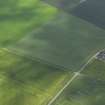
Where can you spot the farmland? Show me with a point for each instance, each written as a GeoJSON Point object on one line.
{"type": "Point", "coordinates": [27, 82]}
{"type": "Point", "coordinates": [86, 89]}
{"type": "Point", "coordinates": [95, 17]}
{"type": "Point", "coordinates": [65, 41]}
{"type": "Point", "coordinates": [44, 44]}
{"type": "Point", "coordinates": [66, 5]}
{"type": "Point", "coordinates": [83, 91]}
{"type": "Point", "coordinates": [96, 70]}
{"type": "Point", "coordinates": [17, 17]}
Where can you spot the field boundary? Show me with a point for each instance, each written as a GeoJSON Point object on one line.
{"type": "Point", "coordinates": [36, 59]}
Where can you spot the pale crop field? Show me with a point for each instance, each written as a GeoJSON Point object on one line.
{"type": "Point", "coordinates": [19, 17]}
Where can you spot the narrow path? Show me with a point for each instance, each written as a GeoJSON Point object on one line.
{"type": "Point", "coordinates": [59, 93]}
{"type": "Point", "coordinates": [76, 74]}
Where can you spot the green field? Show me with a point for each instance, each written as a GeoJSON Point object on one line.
{"type": "Point", "coordinates": [65, 41]}
{"type": "Point", "coordinates": [87, 89]}
{"type": "Point", "coordinates": [27, 82]}
{"type": "Point", "coordinates": [19, 17]}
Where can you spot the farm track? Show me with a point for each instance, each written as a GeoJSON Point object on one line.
{"type": "Point", "coordinates": [76, 74]}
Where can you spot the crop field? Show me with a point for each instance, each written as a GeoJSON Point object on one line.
{"type": "Point", "coordinates": [27, 82]}
{"type": "Point", "coordinates": [20, 17]}
{"type": "Point", "coordinates": [65, 41]}
{"type": "Point", "coordinates": [86, 89]}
